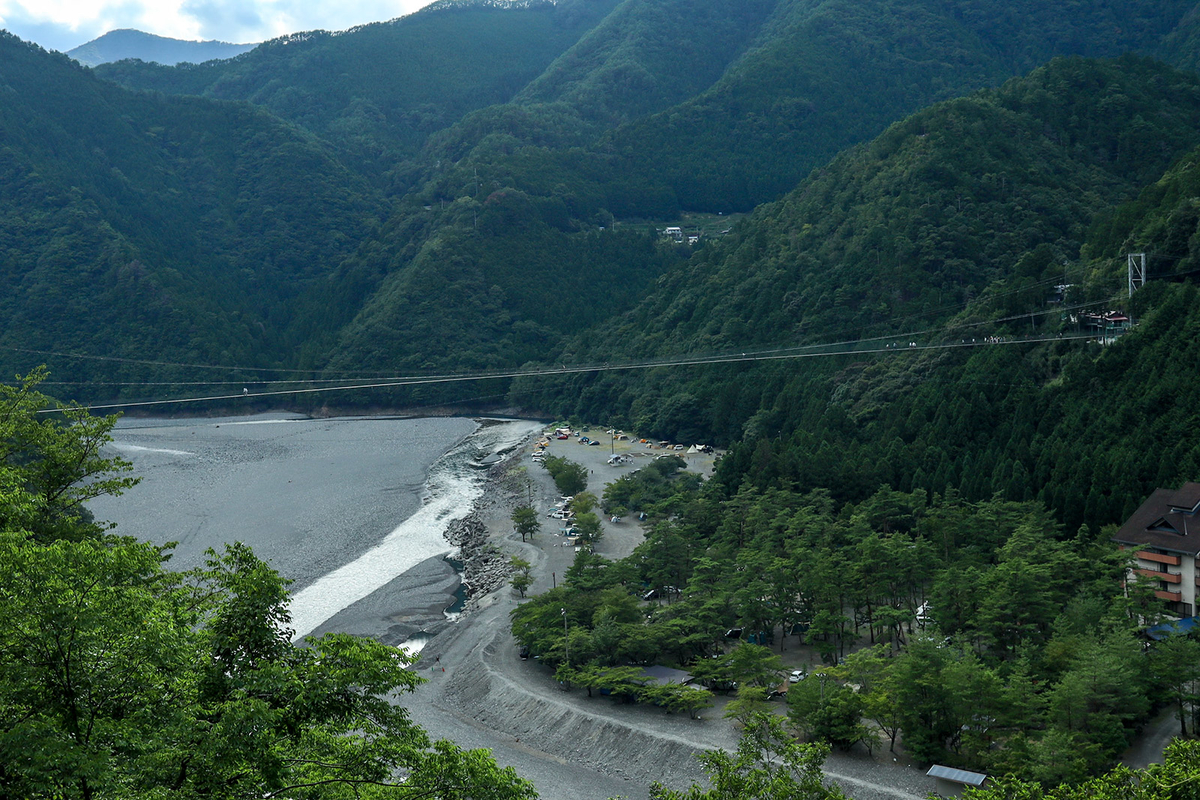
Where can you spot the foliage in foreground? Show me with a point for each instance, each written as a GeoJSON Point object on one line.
{"type": "Point", "coordinates": [768, 765]}
{"type": "Point", "coordinates": [122, 679]}
{"type": "Point", "coordinates": [51, 464]}
{"type": "Point", "coordinates": [1178, 778]}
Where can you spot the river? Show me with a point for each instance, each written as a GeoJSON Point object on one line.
{"type": "Point", "coordinates": [341, 506]}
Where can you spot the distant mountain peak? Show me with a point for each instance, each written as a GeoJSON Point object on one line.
{"type": "Point", "coordinates": [126, 43]}
{"type": "Point", "coordinates": [442, 5]}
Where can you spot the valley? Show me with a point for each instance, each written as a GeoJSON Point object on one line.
{"type": "Point", "coordinates": [924, 271]}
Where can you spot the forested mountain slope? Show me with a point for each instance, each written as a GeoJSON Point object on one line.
{"type": "Point", "coordinates": [157, 228]}
{"type": "Point", "coordinates": [902, 233]}
{"type": "Point", "coordinates": [495, 288]}
{"type": "Point", "coordinates": [720, 105]}
{"type": "Point", "coordinates": [966, 214]}
{"type": "Point", "coordinates": [381, 89]}
{"type": "Point", "coordinates": [865, 66]}
{"type": "Point", "coordinates": [182, 229]}
{"type": "Point", "coordinates": [648, 55]}
{"type": "Point", "coordinates": [814, 79]}
{"type": "Point", "coordinates": [504, 236]}
{"type": "Point", "coordinates": [827, 75]}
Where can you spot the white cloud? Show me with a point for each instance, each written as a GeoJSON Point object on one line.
{"type": "Point", "coordinates": [64, 24]}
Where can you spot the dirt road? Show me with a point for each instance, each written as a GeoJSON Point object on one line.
{"type": "Point", "coordinates": [481, 694]}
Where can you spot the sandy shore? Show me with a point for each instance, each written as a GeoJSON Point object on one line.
{"type": "Point", "coordinates": [480, 694]}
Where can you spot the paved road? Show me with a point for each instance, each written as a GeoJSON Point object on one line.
{"type": "Point", "coordinates": [1155, 737]}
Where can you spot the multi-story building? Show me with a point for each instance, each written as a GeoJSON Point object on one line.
{"type": "Point", "coordinates": [1165, 532]}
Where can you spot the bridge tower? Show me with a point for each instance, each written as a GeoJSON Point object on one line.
{"type": "Point", "coordinates": [1137, 271]}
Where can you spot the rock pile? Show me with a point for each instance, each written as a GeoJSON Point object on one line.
{"type": "Point", "coordinates": [485, 569]}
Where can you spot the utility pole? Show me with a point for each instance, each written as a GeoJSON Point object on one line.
{"type": "Point", "coordinates": [566, 638]}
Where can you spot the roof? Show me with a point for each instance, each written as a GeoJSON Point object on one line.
{"type": "Point", "coordinates": [1168, 520]}
{"type": "Point", "coordinates": [1187, 498]}
{"type": "Point", "coordinates": [957, 775]}
{"type": "Point", "coordinates": [1165, 629]}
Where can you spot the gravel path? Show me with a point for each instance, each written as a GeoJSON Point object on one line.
{"type": "Point", "coordinates": [481, 694]}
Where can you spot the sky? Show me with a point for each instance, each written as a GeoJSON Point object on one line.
{"type": "Point", "coordinates": [65, 24]}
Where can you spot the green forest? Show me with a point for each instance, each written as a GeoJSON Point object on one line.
{"type": "Point", "coordinates": [928, 436]}
{"type": "Point", "coordinates": [993, 639]}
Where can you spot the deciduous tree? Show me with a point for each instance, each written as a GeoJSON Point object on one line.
{"type": "Point", "coordinates": [768, 765]}
{"type": "Point", "coordinates": [525, 521]}
{"type": "Point", "coordinates": [119, 679]}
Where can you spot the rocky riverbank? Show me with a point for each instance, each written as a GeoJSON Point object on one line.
{"type": "Point", "coordinates": [484, 567]}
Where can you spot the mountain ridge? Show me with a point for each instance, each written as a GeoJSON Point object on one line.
{"type": "Point", "coordinates": [128, 43]}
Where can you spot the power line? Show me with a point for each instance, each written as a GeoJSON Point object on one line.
{"type": "Point", "coordinates": [965, 304]}
{"type": "Point", "coordinates": [358, 374]}
{"type": "Point", "coordinates": [814, 351]}
{"type": "Point", "coordinates": [779, 352]}
{"type": "Point", "coordinates": [193, 383]}
{"type": "Point", "coordinates": [144, 362]}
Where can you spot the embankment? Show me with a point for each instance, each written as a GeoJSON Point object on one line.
{"type": "Point", "coordinates": [485, 687]}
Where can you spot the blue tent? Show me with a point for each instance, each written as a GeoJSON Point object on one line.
{"type": "Point", "coordinates": [1165, 629]}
